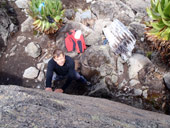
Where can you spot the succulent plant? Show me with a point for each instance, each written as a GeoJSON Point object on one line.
{"type": "Point", "coordinates": [158, 29]}
{"type": "Point", "coordinates": [47, 15]}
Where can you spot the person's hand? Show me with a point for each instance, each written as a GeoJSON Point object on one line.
{"type": "Point", "coordinates": [48, 89]}
{"type": "Point", "coordinates": [59, 90]}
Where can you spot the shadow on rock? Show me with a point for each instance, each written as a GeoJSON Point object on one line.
{"type": "Point", "coordinates": [9, 79]}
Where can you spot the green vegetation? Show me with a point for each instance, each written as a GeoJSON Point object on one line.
{"type": "Point", "coordinates": [158, 30]}
{"type": "Point", "coordinates": [47, 15]}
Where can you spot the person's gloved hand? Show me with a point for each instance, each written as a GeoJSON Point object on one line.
{"type": "Point", "coordinates": [59, 90]}
{"type": "Point", "coordinates": [48, 89]}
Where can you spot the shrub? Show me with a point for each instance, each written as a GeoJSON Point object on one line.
{"type": "Point", "coordinates": [158, 29]}
{"type": "Point", "coordinates": [47, 15]}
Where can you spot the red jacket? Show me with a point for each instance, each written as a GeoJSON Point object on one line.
{"type": "Point", "coordinates": [72, 43]}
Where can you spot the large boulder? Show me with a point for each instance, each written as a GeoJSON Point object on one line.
{"type": "Point", "coordinates": [98, 64]}
{"type": "Point", "coordinates": [23, 107]}
{"type": "Point", "coordinates": [113, 9]}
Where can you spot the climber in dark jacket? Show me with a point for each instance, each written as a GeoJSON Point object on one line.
{"type": "Point", "coordinates": [63, 67]}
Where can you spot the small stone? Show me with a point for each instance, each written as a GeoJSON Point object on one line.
{"type": "Point", "coordinates": [21, 39]}
{"type": "Point", "coordinates": [124, 82]}
{"type": "Point", "coordinates": [6, 56]}
{"type": "Point", "coordinates": [12, 54]}
{"type": "Point", "coordinates": [142, 39]}
{"type": "Point", "coordinates": [38, 87]}
{"type": "Point", "coordinates": [137, 92]}
{"type": "Point", "coordinates": [33, 50]}
{"type": "Point", "coordinates": [40, 66]}
{"type": "Point", "coordinates": [41, 76]}
{"type": "Point", "coordinates": [114, 78]}
{"type": "Point", "coordinates": [88, 1]}
{"type": "Point", "coordinates": [145, 94]}
{"type": "Point", "coordinates": [13, 48]}
{"type": "Point", "coordinates": [30, 73]}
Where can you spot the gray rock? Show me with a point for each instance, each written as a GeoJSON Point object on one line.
{"type": "Point", "coordinates": [145, 94]}
{"type": "Point", "coordinates": [24, 107]}
{"type": "Point", "coordinates": [86, 15]}
{"type": "Point", "coordinates": [41, 76]}
{"type": "Point", "coordinates": [98, 65]}
{"type": "Point", "coordinates": [33, 50]}
{"type": "Point", "coordinates": [21, 39]}
{"type": "Point", "coordinates": [40, 66]}
{"type": "Point", "coordinates": [138, 28]}
{"type": "Point", "coordinates": [114, 78]}
{"type": "Point", "coordinates": [77, 17]}
{"type": "Point", "coordinates": [27, 25]}
{"type": "Point", "coordinates": [69, 13]}
{"type": "Point", "coordinates": [12, 54]}
{"type": "Point", "coordinates": [100, 24]}
{"type": "Point", "coordinates": [30, 73]}
{"type": "Point", "coordinates": [166, 79]}
{"type": "Point", "coordinates": [136, 63]}
{"type": "Point", "coordinates": [78, 26]}
{"type": "Point", "coordinates": [6, 26]}
{"type": "Point", "coordinates": [89, 1]}
{"type": "Point", "coordinates": [134, 82]}
{"type": "Point", "coordinates": [94, 38]}
{"type": "Point", "coordinates": [112, 9]}
{"type": "Point", "coordinates": [22, 3]}
{"type": "Point", "coordinates": [120, 66]}
{"type": "Point", "coordinates": [149, 76]}
{"type": "Point", "coordinates": [13, 48]}
{"type": "Point", "coordinates": [121, 85]}
{"type": "Point", "coordinates": [138, 6]}
{"type": "Point", "coordinates": [137, 92]}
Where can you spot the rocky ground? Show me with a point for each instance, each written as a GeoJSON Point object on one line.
{"type": "Point", "coordinates": [137, 81]}
{"type": "Point", "coordinates": [21, 107]}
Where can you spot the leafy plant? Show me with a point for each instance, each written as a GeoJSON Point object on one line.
{"type": "Point", "coordinates": [47, 15]}
{"type": "Point", "coordinates": [158, 29]}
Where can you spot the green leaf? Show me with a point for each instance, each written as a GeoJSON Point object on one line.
{"type": "Point", "coordinates": [47, 26]}
{"type": "Point", "coordinates": [165, 34]}
{"type": "Point", "coordinates": [57, 18]}
{"type": "Point", "coordinates": [167, 22]}
{"type": "Point", "coordinates": [43, 26]}
{"type": "Point", "coordinates": [167, 10]}
{"type": "Point", "coordinates": [153, 15]}
{"type": "Point", "coordinates": [158, 25]}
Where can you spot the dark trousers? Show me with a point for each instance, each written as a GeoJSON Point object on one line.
{"type": "Point", "coordinates": [70, 77]}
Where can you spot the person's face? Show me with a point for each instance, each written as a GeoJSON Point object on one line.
{"type": "Point", "coordinates": [60, 60]}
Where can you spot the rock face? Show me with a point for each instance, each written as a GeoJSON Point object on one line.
{"type": "Point", "coordinates": [21, 107]}
{"type": "Point", "coordinates": [113, 9]}
{"type": "Point", "coordinates": [6, 27]}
